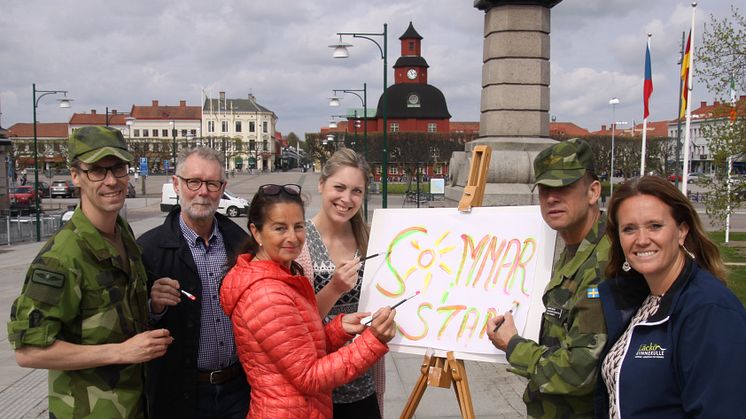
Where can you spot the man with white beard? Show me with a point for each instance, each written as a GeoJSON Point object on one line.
{"type": "Point", "coordinates": [186, 258]}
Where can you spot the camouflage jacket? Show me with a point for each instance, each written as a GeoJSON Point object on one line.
{"type": "Point", "coordinates": [76, 290]}
{"type": "Point", "coordinates": [562, 367]}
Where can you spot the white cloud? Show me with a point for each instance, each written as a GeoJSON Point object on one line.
{"type": "Point", "coordinates": [124, 53]}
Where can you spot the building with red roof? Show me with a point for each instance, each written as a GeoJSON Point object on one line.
{"type": "Point", "coordinates": [51, 144]}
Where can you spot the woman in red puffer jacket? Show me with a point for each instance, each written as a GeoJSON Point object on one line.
{"type": "Point", "coordinates": [291, 360]}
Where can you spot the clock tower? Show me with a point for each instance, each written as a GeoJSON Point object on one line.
{"type": "Point", "coordinates": [413, 105]}
{"type": "Point", "coordinates": [410, 67]}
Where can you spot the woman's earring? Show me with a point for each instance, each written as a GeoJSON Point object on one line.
{"type": "Point", "coordinates": [690, 254]}
{"type": "Point", "coordinates": [626, 267]}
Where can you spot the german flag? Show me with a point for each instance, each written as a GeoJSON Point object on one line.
{"type": "Point", "coordinates": [685, 75]}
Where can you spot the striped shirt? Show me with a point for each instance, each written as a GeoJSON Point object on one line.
{"type": "Point", "coordinates": [217, 348]}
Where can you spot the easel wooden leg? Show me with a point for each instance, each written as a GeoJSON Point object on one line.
{"type": "Point", "coordinates": [441, 372]}
{"type": "Point", "coordinates": [461, 386]}
{"type": "Point", "coordinates": [419, 388]}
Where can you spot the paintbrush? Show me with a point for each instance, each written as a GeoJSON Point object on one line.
{"type": "Point", "coordinates": [396, 305]}
{"type": "Point", "coordinates": [513, 309]}
{"type": "Point", "coordinates": [184, 293]}
{"type": "Point", "coordinates": [374, 255]}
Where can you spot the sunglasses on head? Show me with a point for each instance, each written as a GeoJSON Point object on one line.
{"type": "Point", "coordinates": [271, 189]}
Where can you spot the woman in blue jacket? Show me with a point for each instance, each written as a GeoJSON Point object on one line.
{"type": "Point", "coordinates": [677, 335]}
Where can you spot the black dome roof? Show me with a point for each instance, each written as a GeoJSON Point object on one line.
{"type": "Point", "coordinates": [410, 61]}
{"type": "Point", "coordinates": [432, 103]}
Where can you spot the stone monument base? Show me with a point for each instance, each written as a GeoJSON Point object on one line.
{"type": "Point", "coordinates": [511, 172]}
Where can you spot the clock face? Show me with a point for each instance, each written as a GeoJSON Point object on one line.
{"type": "Point", "coordinates": [412, 74]}
{"type": "Point", "coordinates": [413, 100]}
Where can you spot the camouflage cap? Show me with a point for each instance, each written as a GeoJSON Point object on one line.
{"type": "Point", "coordinates": [563, 163]}
{"type": "Point", "coordinates": [91, 144]}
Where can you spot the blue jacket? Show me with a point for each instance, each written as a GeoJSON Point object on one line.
{"type": "Point", "coordinates": [688, 359]}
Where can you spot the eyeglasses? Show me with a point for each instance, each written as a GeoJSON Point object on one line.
{"type": "Point", "coordinates": [194, 184]}
{"type": "Point", "coordinates": [98, 173]}
{"type": "Point", "coordinates": [272, 189]}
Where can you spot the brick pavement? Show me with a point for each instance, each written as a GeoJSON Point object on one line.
{"type": "Point", "coordinates": [496, 393]}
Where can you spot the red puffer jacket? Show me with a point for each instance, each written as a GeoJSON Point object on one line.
{"type": "Point", "coordinates": [291, 360]}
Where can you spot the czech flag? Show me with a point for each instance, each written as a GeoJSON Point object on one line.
{"type": "Point", "coordinates": [648, 88]}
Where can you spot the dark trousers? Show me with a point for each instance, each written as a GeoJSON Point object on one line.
{"type": "Point", "coordinates": [366, 408]}
{"type": "Point", "coordinates": [229, 400]}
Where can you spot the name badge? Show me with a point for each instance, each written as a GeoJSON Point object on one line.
{"type": "Point", "coordinates": [554, 312]}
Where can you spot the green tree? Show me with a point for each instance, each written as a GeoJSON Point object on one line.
{"type": "Point", "coordinates": [720, 66]}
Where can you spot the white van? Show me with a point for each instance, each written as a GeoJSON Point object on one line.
{"type": "Point", "coordinates": [230, 204]}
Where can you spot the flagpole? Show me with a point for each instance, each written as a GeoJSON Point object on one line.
{"type": "Point", "coordinates": [730, 159]}
{"type": "Point", "coordinates": [646, 94]}
{"type": "Point", "coordinates": [677, 170]}
{"type": "Point", "coordinates": [687, 131]}
{"type": "Point", "coordinates": [727, 212]}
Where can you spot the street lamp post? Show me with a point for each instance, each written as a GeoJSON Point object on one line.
{"type": "Point", "coordinates": [334, 101]}
{"type": "Point", "coordinates": [613, 102]}
{"type": "Point", "coordinates": [64, 103]}
{"type": "Point", "coordinates": [173, 145]}
{"type": "Point", "coordinates": [340, 51]}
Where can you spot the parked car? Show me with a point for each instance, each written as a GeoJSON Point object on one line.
{"type": "Point", "coordinates": [43, 189]}
{"type": "Point", "coordinates": [695, 177]}
{"type": "Point", "coordinates": [64, 189]}
{"type": "Point", "coordinates": [23, 197]}
{"type": "Point", "coordinates": [131, 190]}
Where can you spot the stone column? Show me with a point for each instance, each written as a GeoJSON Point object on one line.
{"type": "Point", "coordinates": [514, 118]}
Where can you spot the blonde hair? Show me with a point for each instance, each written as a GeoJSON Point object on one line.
{"type": "Point", "coordinates": [346, 157]}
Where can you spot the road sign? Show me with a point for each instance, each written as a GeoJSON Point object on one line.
{"type": "Point", "coordinates": [143, 166]}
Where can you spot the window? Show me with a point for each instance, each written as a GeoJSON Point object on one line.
{"type": "Point", "coordinates": [394, 127]}
{"type": "Point", "coordinates": [411, 45]}
{"type": "Point", "coordinates": [264, 127]}
{"type": "Point", "coordinates": [164, 133]}
{"type": "Point", "coordinates": [432, 127]}
{"type": "Point", "coordinates": [136, 132]}
{"type": "Point", "coordinates": [264, 146]}
{"type": "Point", "coordinates": [252, 144]}
{"type": "Point", "coordinates": [225, 126]}
{"type": "Point", "coordinates": [393, 170]}
{"type": "Point", "coordinates": [252, 126]}
{"type": "Point", "coordinates": [183, 133]}
{"type": "Point", "coordinates": [438, 169]}
{"type": "Point", "coordinates": [145, 133]}
{"type": "Point", "coordinates": [193, 132]}
{"type": "Point", "coordinates": [238, 126]}
{"type": "Point", "coordinates": [210, 126]}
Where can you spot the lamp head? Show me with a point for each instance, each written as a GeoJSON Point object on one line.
{"type": "Point", "coordinates": [65, 102]}
{"type": "Point", "coordinates": [340, 49]}
{"type": "Point", "coordinates": [332, 124]}
{"type": "Point", "coordinates": [334, 101]}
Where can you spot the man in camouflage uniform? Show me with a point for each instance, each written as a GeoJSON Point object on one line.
{"type": "Point", "coordinates": [562, 367]}
{"type": "Point", "coordinates": [82, 310]}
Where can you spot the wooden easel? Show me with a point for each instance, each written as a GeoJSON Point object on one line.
{"type": "Point", "coordinates": [435, 370]}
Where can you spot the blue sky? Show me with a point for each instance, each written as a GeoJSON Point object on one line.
{"type": "Point", "coordinates": [117, 54]}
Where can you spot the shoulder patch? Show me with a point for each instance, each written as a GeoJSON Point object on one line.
{"type": "Point", "coordinates": [592, 292]}
{"type": "Point", "coordinates": [52, 279]}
